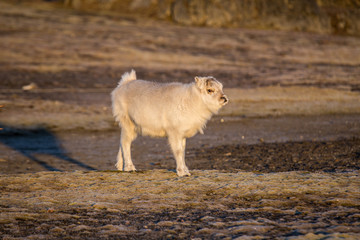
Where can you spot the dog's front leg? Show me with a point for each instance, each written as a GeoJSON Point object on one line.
{"type": "Point", "coordinates": [178, 147]}
{"type": "Point", "coordinates": [120, 160]}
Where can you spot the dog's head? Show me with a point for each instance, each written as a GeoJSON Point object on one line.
{"type": "Point", "coordinates": [211, 92]}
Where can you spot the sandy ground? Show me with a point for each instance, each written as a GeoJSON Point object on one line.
{"type": "Point", "coordinates": [158, 205]}
{"type": "Point", "coordinates": [280, 161]}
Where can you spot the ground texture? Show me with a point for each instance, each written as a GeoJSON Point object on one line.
{"type": "Point", "coordinates": [280, 161]}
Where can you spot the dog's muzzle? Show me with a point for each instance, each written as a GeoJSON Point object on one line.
{"type": "Point", "coordinates": [224, 99]}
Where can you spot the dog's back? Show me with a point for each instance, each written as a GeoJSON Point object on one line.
{"type": "Point", "coordinates": [156, 108]}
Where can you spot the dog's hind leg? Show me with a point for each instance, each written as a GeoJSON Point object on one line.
{"type": "Point", "coordinates": [178, 147]}
{"type": "Point", "coordinates": [127, 136]}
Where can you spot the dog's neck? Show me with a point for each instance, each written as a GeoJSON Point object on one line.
{"type": "Point", "coordinates": [201, 107]}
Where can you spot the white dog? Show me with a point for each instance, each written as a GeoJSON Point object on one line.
{"type": "Point", "coordinates": [174, 110]}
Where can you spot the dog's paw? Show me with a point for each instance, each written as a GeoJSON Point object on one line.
{"type": "Point", "coordinates": [119, 167]}
{"type": "Point", "coordinates": [130, 168]}
{"type": "Point", "coordinates": [183, 172]}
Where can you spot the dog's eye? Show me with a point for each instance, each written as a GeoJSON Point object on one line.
{"type": "Point", "coordinates": [210, 91]}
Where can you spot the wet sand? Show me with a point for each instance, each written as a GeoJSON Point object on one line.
{"type": "Point", "coordinates": [272, 144]}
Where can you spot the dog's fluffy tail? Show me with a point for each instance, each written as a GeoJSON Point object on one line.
{"type": "Point", "coordinates": [116, 106]}
{"type": "Point", "coordinates": [127, 77]}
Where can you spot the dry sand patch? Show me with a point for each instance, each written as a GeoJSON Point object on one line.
{"type": "Point", "coordinates": [158, 203]}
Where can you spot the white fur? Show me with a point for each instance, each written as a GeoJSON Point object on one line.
{"type": "Point", "coordinates": [174, 110]}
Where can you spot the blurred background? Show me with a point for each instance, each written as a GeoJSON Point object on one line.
{"type": "Point", "coordinates": [322, 16]}
{"type": "Point", "coordinates": [91, 43]}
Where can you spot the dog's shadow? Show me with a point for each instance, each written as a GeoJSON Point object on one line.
{"type": "Point", "coordinates": [36, 141]}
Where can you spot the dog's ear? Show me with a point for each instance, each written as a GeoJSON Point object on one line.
{"type": "Point", "coordinates": [200, 82]}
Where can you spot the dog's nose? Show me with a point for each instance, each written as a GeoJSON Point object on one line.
{"type": "Point", "coordinates": [224, 98]}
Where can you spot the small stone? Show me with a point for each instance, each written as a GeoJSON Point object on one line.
{"type": "Point", "coordinates": [29, 87]}
{"type": "Point", "coordinates": [37, 237]}
{"type": "Point", "coordinates": [206, 231]}
{"type": "Point", "coordinates": [100, 206]}
{"type": "Point", "coordinates": [221, 236]}
{"type": "Point", "coordinates": [42, 227]}
{"type": "Point", "coordinates": [218, 224]}
{"type": "Point", "coordinates": [182, 235]}
{"type": "Point", "coordinates": [57, 230]}
{"type": "Point", "coordinates": [81, 228]}
{"type": "Point", "coordinates": [250, 228]}
{"type": "Point", "coordinates": [165, 223]}
{"type": "Point", "coordinates": [145, 230]}
{"type": "Point", "coordinates": [207, 218]}
{"type": "Point", "coordinates": [113, 228]}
